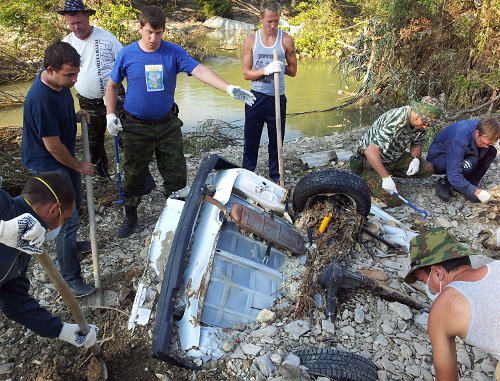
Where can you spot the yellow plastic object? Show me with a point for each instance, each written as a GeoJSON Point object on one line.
{"type": "Point", "coordinates": [325, 223]}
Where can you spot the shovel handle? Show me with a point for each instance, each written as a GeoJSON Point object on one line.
{"type": "Point", "coordinates": [68, 297]}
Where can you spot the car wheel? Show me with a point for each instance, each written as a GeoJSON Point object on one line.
{"type": "Point", "coordinates": [342, 188]}
{"type": "Point", "coordinates": [339, 365]}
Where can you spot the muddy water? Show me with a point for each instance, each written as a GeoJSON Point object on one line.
{"type": "Point", "coordinates": [316, 87]}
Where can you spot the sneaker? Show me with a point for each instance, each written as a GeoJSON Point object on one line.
{"type": "Point", "coordinates": [149, 184]}
{"type": "Point", "coordinates": [79, 289]}
{"type": "Point", "coordinates": [129, 222]}
{"type": "Point", "coordinates": [83, 247]}
{"type": "Point", "coordinates": [442, 190]}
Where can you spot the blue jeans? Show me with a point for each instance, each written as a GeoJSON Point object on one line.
{"type": "Point", "coordinates": [69, 264]}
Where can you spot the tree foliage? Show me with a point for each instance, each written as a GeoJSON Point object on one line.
{"type": "Point", "coordinates": [432, 47]}
{"type": "Point", "coordinates": [210, 8]}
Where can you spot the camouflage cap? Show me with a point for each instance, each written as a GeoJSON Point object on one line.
{"type": "Point", "coordinates": [432, 247]}
{"type": "Point", "coordinates": [429, 109]}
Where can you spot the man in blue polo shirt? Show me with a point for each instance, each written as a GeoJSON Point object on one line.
{"type": "Point", "coordinates": [463, 152]}
{"type": "Point", "coordinates": [151, 124]}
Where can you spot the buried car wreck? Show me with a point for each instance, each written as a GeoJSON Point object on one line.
{"type": "Point", "coordinates": [216, 256]}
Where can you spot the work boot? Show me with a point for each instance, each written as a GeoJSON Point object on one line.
{"type": "Point", "coordinates": [102, 170]}
{"type": "Point", "coordinates": [442, 190]}
{"type": "Point", "coordinates": [128, 224]}
{"type": "Point", "coordinates": [149, 184]}
{"type": "Point", "coordinates": [79, 288]}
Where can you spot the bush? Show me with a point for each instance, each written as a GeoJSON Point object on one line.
{"type": "Point", "coordinates": [210, 8]}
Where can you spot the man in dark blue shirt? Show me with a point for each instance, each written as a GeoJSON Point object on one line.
{"type": "Point", "coordinates": [463, 152]}
{"type": "Point", "coordinates": [49, 135]}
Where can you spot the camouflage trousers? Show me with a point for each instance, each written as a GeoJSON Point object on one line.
{"type": "Point", "coordinates": [396, 169]}
{"type": "Point", "coordinates": [140, 141]}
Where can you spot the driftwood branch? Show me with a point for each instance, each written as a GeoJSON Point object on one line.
{"type": "Point", "coordinates": [460, 113]}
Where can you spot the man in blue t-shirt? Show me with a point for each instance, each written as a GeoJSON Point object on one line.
{"type": "Point", "coordinates": [150, 123]}
{"type": "Point", "coordinates": [49, 135]}
{"type": "Point", "coordinates": [463, 152]}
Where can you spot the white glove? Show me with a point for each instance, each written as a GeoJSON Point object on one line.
{"type": "Point", "coordinates": [389, 185]}
{"type": "Point", "coordinates": [413, 167]}
{"type": "Point", "coordinates": [273, 67]}
{"type": "Point", "coordinates": [24, 233]}
{"type": "Point", "coordinates": [483, 196]}
{"type": "Point", "coordinates": [113, 123]}
{"type": "Point", "coordinates": [239, 94]}
{"type": "Point", "coordinates": [71, 333]}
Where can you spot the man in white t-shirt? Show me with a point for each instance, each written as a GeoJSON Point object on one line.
{"type": "Point", "coordinates": [98, 49]}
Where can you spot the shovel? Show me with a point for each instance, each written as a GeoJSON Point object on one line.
{"type": "Point", "coordinates": [410, 204]}
{"type": "Point", "coordinates": [277, 106]}
{"type": "Point", "coordinates": [68, 297]}
{"type": "Point", "coordinates": [90, 204]}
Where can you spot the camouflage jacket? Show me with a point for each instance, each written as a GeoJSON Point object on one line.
{"type": "Point", "coordinates": [392, 134]}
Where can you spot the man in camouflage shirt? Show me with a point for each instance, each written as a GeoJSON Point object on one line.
{"type": "Point", "coordinates": [385, 143]}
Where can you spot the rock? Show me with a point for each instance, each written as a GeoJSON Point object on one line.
{"type": "Point", "coordinates": [265, 316]}
{"type": "Point", "coordinates": [297, 328]}
{"type": "Point", "coordinates": [402, 310]}
{"type": "Point", "coordinates": [6, 368]}
{"type": "Point", "coordinates": [265, 364]}
{"type": "Point", "coordinates": [251, 349]}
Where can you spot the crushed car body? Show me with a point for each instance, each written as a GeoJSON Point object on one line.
{"type": "Point", "coordinates": [216, 255]}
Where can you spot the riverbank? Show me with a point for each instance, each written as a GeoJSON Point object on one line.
{"type": "Point", "coordinates": [391, 335]}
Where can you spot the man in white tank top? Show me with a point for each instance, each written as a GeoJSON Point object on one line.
{"type": "Point", "coordinates": [465, 299]}
{"type": "Point", "coordinates": [259, 67]}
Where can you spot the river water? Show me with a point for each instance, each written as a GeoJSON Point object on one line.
{"type": "Point", "coordinates": [316, 87]}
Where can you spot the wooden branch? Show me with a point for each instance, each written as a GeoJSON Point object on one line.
{"type": "Point", "coordinates": [460, 113]}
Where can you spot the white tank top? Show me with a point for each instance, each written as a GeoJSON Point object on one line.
{"type": "Point", "coordinates": [484, 326]}
{"type": "Point", "coordinates": [263, 56]}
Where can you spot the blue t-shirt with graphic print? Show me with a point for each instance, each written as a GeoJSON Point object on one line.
{"type": "Point", "coordinates": [151, 77]}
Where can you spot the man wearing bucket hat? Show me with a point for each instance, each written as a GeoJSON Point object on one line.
{"type": "Point", "coordinates": [98, 49]}
{"type": "Point", "coordinates": [463, 152]}
{"type": "Point", "coordinates": [383, 148]}
{"type": "Point", "coordinates": [466, 299]}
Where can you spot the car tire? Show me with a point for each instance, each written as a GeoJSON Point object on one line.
{"type": "Point", "coordinates": [338, 365]}
{"type": "Point", "coordinates": [343, 188]}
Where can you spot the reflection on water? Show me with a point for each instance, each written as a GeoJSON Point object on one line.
{"type": "Point", "coordinates": [315, 87]}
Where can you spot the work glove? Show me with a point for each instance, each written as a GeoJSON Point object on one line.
{"type": "Point", "coordinates": [483, 196]}
{"type": "Point", "coordinates": [71, 333]}
{"type": "Point", "coordinates": [242, 95]}
{"type": "Point", "coordinates": [113, 123]}
{"type": "Point", "coordinates": [273, 67]}
{"type": "Point", "coordinates": [413, 167]}
{"type": "Point", "coordinates": [389, 185]}
{"type": "Point", "coordinates": [24, 233]}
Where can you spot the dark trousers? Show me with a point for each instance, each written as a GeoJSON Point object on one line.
{"type": "Point", "coordinates": [477, 169]}
{"type": "Point", "coordinates": [18, 305]}
{"type": "Point", "coordinates": [263, 110]}
{"type": "Point", "coordinates": [140, 141]}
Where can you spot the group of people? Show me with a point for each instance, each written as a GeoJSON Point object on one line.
{"type": "Point", "coordinates": [462, 152]}
{"type": "Point", "coordinates": [146, 118]}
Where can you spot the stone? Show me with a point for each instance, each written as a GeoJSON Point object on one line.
{"type": "Point", "coordinates": [297, 328]}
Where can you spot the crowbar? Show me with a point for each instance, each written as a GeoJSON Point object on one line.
{"type": "Point", "coordinates": [410, 204]}
{"type": "Point", "coordinates": [70, 300]}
